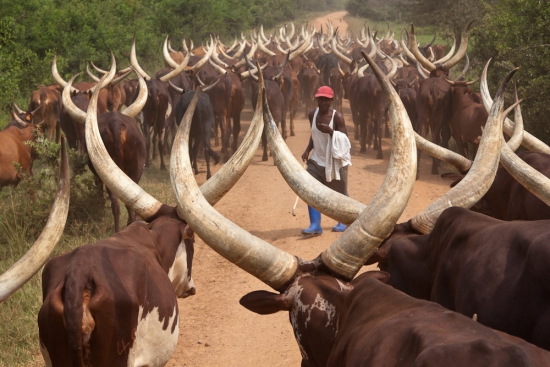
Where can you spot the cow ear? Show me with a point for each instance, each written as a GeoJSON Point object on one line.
{"type": "Point", "coordinates": [376, 274]}
{"type": "Point", "coordinates": [265, 303]}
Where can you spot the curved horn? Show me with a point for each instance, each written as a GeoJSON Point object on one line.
{"type": "Point", "coordinates": [134, 62]}
{"type": "Point", "coordinates": [177, 71]}
{"type": "Point", "coordinates": [169, 60]}
{"type": "Point", "coordinates": [341, 71]}
{"type": "Point", "coordinates": [58, 77]}
{"type": "Point", "coordinates": [18, 110]}
{"type": "Point", "coordinates": [220, 183]}
{"type": "Point", "coordinates": [265, 50]}
{"type": "Point", "coordinates": [413, 46]}
{"type": "Point", "coordinates": [108, 77]}
{"type": "Point", "coordinates": [350, 251]}
{"type": "Point", "coordinates": [112, 176]}
{"type": "Point", "coordinates": [18, 119]}
{"type": "Point", "coordinates": [136, 107]}
{"type": "Point", "coordinates": [361, 71]}
{"type": "Point", "coordinates": [449, 54]}
{"type": "Point", "coordinates": [240, 51]}
{"type": "Point", "coordinates": [527, 176]}
{"type": "Point", "coordinates": [73, 111]}
{"type": "Point", "coordinates": [300, 49]}
{"type": "Point", "coordinates": [264, 261]}
{"type": "Point", "coordinates": [25, 268]}
{"type": "Point", "coordinates": [94, 78]}
{"type": "Point", "coordinates": [529, 141]}
{"type": "Point", "coordinates": [211, 86]}
{"type": "Point", "coordinates": [461, 50]}
{"type": "Point", "coordinates": [481, 175]}
{"type": "Point", "coordinates": [195, 68]}
{"type": "Point", "coordinates": [421, 71]}
{"type": "Point", "coordinates": [216, 67]}
{"type": "Point", "coordinates": [517, 137]}
{"type": "Point", "coordinates": [176, 88]}
{"type": "Point", "coordinates": [431, 42]}
{"type": "Point", "coordinates": [338, 54]}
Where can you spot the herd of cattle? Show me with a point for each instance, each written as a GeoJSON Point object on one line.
{"type": "Point", "coordinates": [456, 287]}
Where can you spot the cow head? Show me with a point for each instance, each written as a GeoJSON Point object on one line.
{"type": "Point", "coordinates": [316, 303]}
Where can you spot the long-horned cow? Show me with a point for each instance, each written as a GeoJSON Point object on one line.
{"type": "Point", "coordinates": [338, 321]}
{"type": "Point", "coordinates": [113, 303]}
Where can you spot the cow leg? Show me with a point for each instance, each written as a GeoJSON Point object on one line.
{"type": "Point", "coordinates": [57, 132]}
{"type": "Point", "coordinates": [225, 135]}
{"type": "Point", "coordinates": [160, 141]}
{"type": "Point", "coordinates": [362, 129]}
{"type": "Point", "coordinates": [236, 132]}
{"type": "Point", "coordinates": [154, 143]}
{"type": "Point", "coordinates": [215, 131]}
{"type": "Point", "coordinates": [264, 146]}
{"type": "Point", "coordinates": [147, 136]}
{"type": "Point", "coordinates": [115, 208]}
{"type": "Point", "coordinates": [378, 133]}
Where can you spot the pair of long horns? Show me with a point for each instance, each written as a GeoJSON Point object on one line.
{"type": "Point", "coordinates": [347, 255]}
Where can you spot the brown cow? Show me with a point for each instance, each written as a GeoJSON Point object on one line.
{"type": "Point", "coordinates": [114, 303]}
{"type": "Point", "coordinates": [120, 135]}
{"type": "Point", "coordinates": [50, 100]}
{"type": "Point", "coordinates": [468, 117]}
{"type": "Point", "coordinates": [227, 99]}
{"type": "Point", "coordinates": [14, 150]}
{"type": "Point", "coordinates": [433, 96]}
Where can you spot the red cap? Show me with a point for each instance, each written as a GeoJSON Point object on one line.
{"type": "Point", "coordinates": [325, 91]}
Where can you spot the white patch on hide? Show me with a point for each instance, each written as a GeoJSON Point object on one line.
{"type": "Point", "coordinates": [344, 287]}
{"type": "Point", "coordinates": [179, 274]}
{"type": "Point", "coordinates": [45, 354]}
{"type": "Point", "coordinates": [153, 346]}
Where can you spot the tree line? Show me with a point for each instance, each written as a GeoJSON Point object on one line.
{"type": "Point", "coordinates": [31, 31]}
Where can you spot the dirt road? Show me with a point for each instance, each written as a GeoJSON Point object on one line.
{"type": "Point", "coordinates": [214, 329]}
{"type": "Point", "coordinates": [337, 20]}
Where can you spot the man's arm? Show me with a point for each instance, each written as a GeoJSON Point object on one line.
{"type": "Point", "coordinates": [339, 123]}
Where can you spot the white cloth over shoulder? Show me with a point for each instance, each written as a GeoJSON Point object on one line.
{"type": "Point", "coordinates": [338, 155]}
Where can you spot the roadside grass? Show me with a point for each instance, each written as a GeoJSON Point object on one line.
{"type": "Point", "coordinates": [22, 220]}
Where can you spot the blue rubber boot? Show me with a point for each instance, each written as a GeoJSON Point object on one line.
{"type": "Point", "coordinates": [340, 227]}
{"type": "Point", "coordinates": [315, 223]}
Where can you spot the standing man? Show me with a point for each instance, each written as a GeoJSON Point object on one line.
{"type": "Point", "coordinates": [330, 158]}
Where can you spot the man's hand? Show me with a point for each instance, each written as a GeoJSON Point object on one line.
{"type": "Point", "coordinates": [325, 129]}
{"type": "Point", "coordinates": [305, 156]}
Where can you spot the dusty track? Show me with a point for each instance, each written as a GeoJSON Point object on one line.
{"type": "Point", "coordinates": [214, 329]}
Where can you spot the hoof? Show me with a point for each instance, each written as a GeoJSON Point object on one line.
{"type": "Point", "coordinates": [363, 150]}
{"type": "Point", "coordinates": [264, 158]}
{"type": "Point", "coordinates": [379, 156]}
{"type": "Point", "coordinates": [163, 168]}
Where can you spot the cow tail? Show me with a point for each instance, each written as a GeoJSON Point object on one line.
{"type": "Point", "coordinates": [79, 322]}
